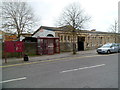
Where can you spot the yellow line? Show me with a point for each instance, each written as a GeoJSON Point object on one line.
{"type": "Point", "coordinates": [50, 60]}
{"type": "Point", "coordinates": [18, 64]}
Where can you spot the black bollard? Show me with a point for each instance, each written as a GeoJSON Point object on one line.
{"type": "Point", "coordinates": [26, 57]}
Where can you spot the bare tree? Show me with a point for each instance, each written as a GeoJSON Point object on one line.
{"type": "Point", "coordinates": [74, 17]}
{"type": "Point", "coordinates": [114, 29]}
{"type": "Point", "coordinates": [17, 17]}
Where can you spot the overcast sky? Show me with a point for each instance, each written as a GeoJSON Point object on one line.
{"type": "Point", "coordinates": [103, 12]}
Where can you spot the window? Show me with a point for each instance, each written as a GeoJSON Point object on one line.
{"type": "Point", "coordinates": [65, 38]}
{"type": "Point", "coordinates": [50, 35]}
{"type": "Point", "coordinates": [68, 38]}
{"type": "Point", "coordinates": [61, 38]}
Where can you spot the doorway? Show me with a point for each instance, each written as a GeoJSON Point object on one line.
{"type": "Point", "coordinates": [81, 43]}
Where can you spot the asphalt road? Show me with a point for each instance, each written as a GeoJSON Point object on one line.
{"type": "Point", "coordinates": [94, 71]}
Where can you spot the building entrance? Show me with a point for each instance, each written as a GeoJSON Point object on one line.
{"type": "Point", "coordinates": [80, 43]}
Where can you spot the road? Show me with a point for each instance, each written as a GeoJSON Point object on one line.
{"type": "Point", "coordinates": [94, 71]}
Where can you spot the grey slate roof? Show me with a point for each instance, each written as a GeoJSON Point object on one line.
{"type": "Point", "coordinates": [68, 27]}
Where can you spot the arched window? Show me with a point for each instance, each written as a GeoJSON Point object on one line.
{"type": "Point", "coordinates": [50, 35]}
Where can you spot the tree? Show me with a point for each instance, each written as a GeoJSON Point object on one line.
{"type": "Point", "coordinates": [114, 29]}
{"type": "Point", "coordinates": [17, 17]}
{"type": "Point", "coordinates": [74, 17]}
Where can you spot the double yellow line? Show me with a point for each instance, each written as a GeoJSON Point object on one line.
{"type": "Point", "coordinates": [68, 58]}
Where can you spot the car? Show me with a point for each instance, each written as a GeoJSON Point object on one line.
{"type": "Point", "coordinates": [108, 48]}
{"type": "Point", "coordinates": [118, 44]}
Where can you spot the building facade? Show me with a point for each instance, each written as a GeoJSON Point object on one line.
{"type": "Point", "coordinates": [84, 39]}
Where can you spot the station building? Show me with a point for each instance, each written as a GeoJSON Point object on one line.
{"type": "Point", "coordinates": [84, 39]}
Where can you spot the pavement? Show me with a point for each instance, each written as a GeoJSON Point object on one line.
{"type": "Point", "coordinates": [47, 57]}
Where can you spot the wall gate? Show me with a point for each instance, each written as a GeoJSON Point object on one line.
{"type": "Point", "coordinates": [12, 47]}
{"type": "Point", "coordinates": [48, 45]}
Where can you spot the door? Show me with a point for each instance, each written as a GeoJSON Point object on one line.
{"type": "Point", "coordinates": [50, 46]}
{"type": "Point", "coordinates": [57, 46]}
{"type": "Point", "coordinates": [81, 43]}
{"type": "Point", "coordinates": [45, 46]}
{"type": "Point", "coordinates": [40, 46]}
{"type": "Point", "coordinates": [80, 46]}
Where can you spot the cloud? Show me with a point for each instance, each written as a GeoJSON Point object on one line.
{"type": "Point", "coordinates": [102, 12]}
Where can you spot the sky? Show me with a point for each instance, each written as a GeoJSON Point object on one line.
{"type": "Point", "coordinates": [102, 12]}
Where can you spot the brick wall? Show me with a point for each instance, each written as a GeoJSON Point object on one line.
{"type": "Point", "coordinates": [65, 46]}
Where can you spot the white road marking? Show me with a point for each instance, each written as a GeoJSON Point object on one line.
{"type": "Point", "coordinates": [82, 68]}
{"type": "Point", "coordinates": [13, 80]}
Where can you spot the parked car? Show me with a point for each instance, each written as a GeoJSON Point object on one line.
{"type": "Point", "coordinates": [118, 44]}
{"type": "Point", "coordinates": [108, 48]}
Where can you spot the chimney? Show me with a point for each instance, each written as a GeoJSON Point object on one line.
{"type": "Point", "coordinates": [93, 30]}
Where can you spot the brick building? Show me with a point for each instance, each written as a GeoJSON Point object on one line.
{"type": "Point", "coordinates": [84, 39]}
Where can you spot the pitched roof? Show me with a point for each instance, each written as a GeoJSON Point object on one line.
{"type": "Point", "coordinates": [96, 32]}
{"type": "Point", "coordinates": [66, 28]}
{"type": "Point", "coordinates": [48, 28]}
